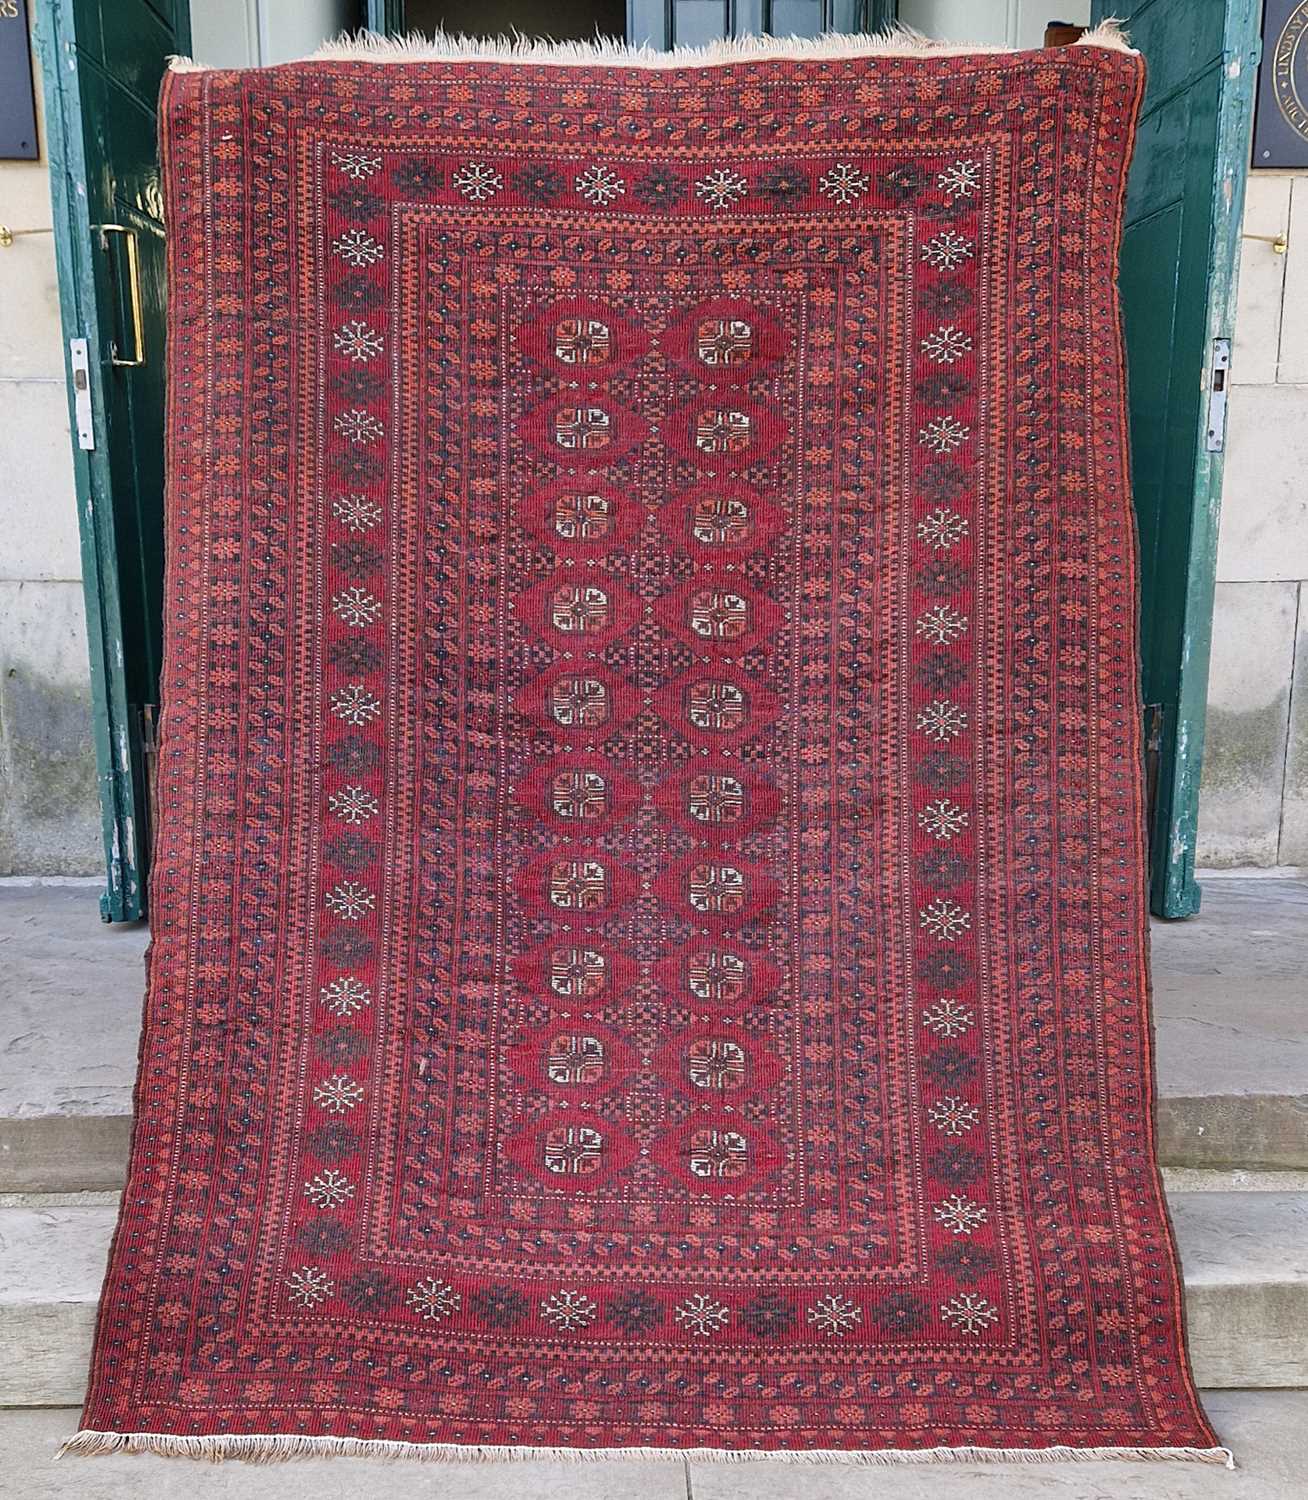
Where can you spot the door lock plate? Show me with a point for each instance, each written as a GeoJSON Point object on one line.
{"type": "Point", "coordinates": [80, 365]}
{"type": "Point", "coordinates": [1219, 375]}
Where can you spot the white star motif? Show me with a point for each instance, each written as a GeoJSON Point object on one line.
{"type": "Point", "coordinates": [942, 529]}
{"type": "Point", "coordinates": [477, 181]}
{"type": "Point", "coordinates": [357, 341]}
{"type": "Point", "coordinates": [356, 607]}
{"type": "Point", "coordinates": [961, 180]}
{"type": "Point", "coordinates": [942, 818]}
{"type": "Point", "coordinates": [350, 901]}
{"type": "Point", "coordinates": [843, 183]}
{"type": "Point", "coordinates": [568, 1310]}
{"type": "Point", "coordinates": [954, 1116]}
{"type": "Point", "coordinates": [339, 1093]}
{"type": "Point", "coordinates": [353, 805]}
{"type": "Point", "coordinates": [310, 1286]}
{"type": "Point", "coordinates": [946, 345]}
{"type": "Point", "coordinates": [600, 185]}
{"type": "Point", "coordinates": [942, 624]}
{"type": "Point", "coordinates": [946, 251]}
{"type": "Point", "coordinates": [702, 1315]}
{"type": "Point", "coordinates": [356, 512]}
{"type": "Point", "coordinates": [355, 704]}
{"type": "Point", "coordinates": [969, 1313]}
{"type": "Point", "coordinates": [944, 919]}
{"type": "Point", "coordinates": [948, 1018]}
{"type": "Point", "coordinates": [960, 1215]}
{"type": "Point", "coordinates": [329, 1189]}
{"type": "Point", "coordinates": [433, 1299]}
{"type": "Point", "coordinates": [359, 426]}
{"type": "Point", "coordinates": [944, 434]}
{"type": "Point", "coordinates": [358, 248]}
{"type": "Point", "coordinates": [941, 720]}
{"type": "Point", "coordinates": [721, 188]}
{"type": "Point", "coordinates": [834, 1316]}
{"type": "Point", "coordinates": [345, 996]}
{"type": "Point", "coordinates": [356, 164]}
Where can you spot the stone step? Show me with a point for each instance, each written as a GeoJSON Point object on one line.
{"type": "Point", "coordinates": [1232, 1049]}
{"type": "Point", "coordinates": [86, 1152]}
{"type": "Point", "coordinates": [1228, 1001]}
{"type": "Point", "coordinates": [1245, 1256]}
{"type": "Point", "coordinates": [1267, 1430]}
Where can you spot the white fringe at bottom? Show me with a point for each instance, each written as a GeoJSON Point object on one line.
{"type": "Point", "coordinates": [272, 1448]}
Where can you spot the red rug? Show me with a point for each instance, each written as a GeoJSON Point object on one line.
{"type": "Point", "coordinates": [649, 946]}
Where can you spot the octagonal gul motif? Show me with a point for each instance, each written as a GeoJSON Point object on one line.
{"type": "Point", "coordinates": [580, 794]}
{"type": "Point", "coordinates": [582, 338]}
{"type": "Point", "coordinates": [582, 703]}
{"type": "Point", "coordinates": [724, 432]}
{"type": "Point", "coordinates": [717, 707]}
{"type": "Point", "coordinates": [727, 341]}
{"type": "Point", "coordinates": [720, 521]}
{"type": "Point", "coordinates": [718, 1061]}
{"type": "Point", "coordinates": [581, 518]}
{"type": "Point", "coordinates": [718, 889]}
{"type": "Point", "coordinates": [719, 1157]}
{"type": "Point", "coordinates": [719, 613]}
{"type": "Point", "coordinates": [719, 799]}
{"type": "Point", "coordinates": [571, 1150]}
{"type": "Point", "coordinates": [576, 975]}
{"type": "Point", "coordinates": [717, 974]}
{"type": "Point", "coordinates": [572, 1060]}
{"type": "Point", "coordinates": [580, 609]}
{"type": "Point", "coordinates": [588, 430]}
{"type": "Point", "coordinates": [577, 884]}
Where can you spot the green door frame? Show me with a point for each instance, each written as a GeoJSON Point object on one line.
{"type": "Point", "coordinates": [1174, 891]}
{"type": "Point", "coordinates": [120, 738]}
{"type": "Point", "coordinates": [1179, 433]}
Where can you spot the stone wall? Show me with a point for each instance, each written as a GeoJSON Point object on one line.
{"type": "Point", "coordinates": [1253, 808]}
{"type": "Point", "coordinates": [49, 815]}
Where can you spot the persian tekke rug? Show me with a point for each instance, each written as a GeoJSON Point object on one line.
{"type": "Point", "coordinates": [649, 947]}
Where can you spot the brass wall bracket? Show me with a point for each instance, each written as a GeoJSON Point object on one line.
{"type": "Point", "coordinates": [8, 236]}
{"type": "Point", "coordinates": [1278, 242]}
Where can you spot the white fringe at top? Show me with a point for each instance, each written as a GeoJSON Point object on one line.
{"type": "Point", "coordinates": [608, 52]}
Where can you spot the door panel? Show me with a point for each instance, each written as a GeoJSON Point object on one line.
{"type": "Point", "coordinates": [103, 61]}
{"type": "Point", "coordinates": [1180, 251]}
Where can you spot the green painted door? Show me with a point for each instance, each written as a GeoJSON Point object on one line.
{"type": "Point", "coordinates": [1179, 259]}
{"type": "Point", "coordinates": [103, 61]}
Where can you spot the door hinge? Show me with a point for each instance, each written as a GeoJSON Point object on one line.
{"type": "Point", "coordinates": [1218, 375]}
{"type": "Point", "coordinates": [80, 364]}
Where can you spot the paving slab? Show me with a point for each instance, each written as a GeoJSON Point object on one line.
{"type": "Point", "coordinates": [1267, 1429]}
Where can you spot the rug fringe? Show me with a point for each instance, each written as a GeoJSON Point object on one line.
{"type": "Point", "coordinates": [901, 41]}
{"type": "Point", "coordinates": [280, 1447]}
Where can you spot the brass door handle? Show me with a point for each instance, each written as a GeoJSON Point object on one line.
{"type": "Point", "coordinates": [134, 295]}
